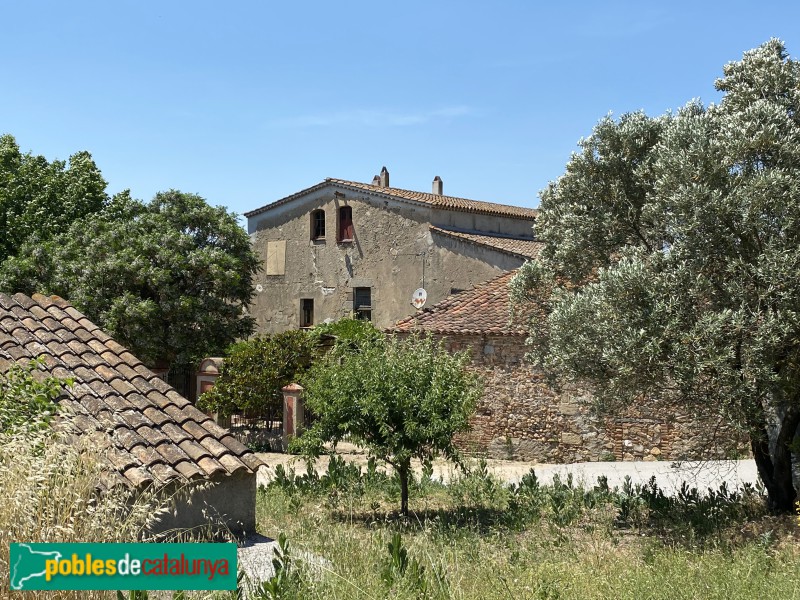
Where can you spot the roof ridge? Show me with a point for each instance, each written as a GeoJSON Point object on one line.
{"type": "Point", "coordinates": [435, 200]}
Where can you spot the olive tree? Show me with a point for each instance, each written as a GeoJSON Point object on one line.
{"type": "Point", "coordinates": [672, 260]}
{"type": "Point", "coordinates": [398, 398]}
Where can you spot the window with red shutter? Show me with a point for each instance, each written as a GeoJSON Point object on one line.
{"type": "Point", "coordinates": [345, 224]}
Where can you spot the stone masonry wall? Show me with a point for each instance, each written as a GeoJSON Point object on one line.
{"type": "Point", "coordinates": [520, 417]}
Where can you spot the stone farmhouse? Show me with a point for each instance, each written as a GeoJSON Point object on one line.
{"type": "Point", "coordinates": [151, 435]}
{"type": "Point", "coordinates": [342, 247]}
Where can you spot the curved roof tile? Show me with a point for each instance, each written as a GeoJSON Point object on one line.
{"type": "Point", "coordinates": [154, 434]}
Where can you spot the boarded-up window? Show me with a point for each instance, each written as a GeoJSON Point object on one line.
{"type": "Point", "coordinates": [318, 225]}
{"type": "Point", "coordinates": [276, 258]}
{"type": "Point", "coordinates": [345, 224]}
{"type": "Point", "coordinates": [362, 303]}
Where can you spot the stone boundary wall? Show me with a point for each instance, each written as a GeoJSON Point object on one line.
{"type": "Point", "coordinates": [520, 417]}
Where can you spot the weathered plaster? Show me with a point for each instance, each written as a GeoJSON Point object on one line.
{"type": "Point", "coordinates": [393, 252]}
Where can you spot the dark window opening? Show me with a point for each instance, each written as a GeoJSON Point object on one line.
{"type": "Point", "coordinates": [306, 312]}
{"type": "Point", "coordinates": [345, 224]}
{"type": "Point", "coordinates": [318, 225]}
{"type": "Point", "coordinates": [362, 303]}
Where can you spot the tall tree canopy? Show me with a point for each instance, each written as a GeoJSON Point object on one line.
{"type": "Point", "coordinates": [40, 199]}
{"type": "Point", "coordinates": [171, 279]}
{"type": "Point", "coordinates": [672, 260]}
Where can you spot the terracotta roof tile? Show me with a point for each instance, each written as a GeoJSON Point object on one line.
{"type": "Point", "coordinates": [116, 402]}
{"type": "Point", "coordinates": [128, 373]}
{"type": "Point", "coordinates": [147, 455]}
{"type": "Point", "coordinates": [175, 433]}
{"type": "Point", "coordinates": [153, 436]}
{"type": "Point", "coordinates": [178, 416]}
{"type": "Point", "coordinates": [107, 418]}
{"type": "Point", "coordinates": [130, 359]}
{"type": "Point", "coordinates": [195, 429]}
{"type": "Point", "coordinates": [172, 454]}
{"type": "Point", "coordinates": [216, 447]}
{"type": "Point", "coordinates": [193, 413]}
{"type": "Point", "coordinates": [485, 309]}
{"type": "Point", "coordinates": [138, 476]}
{"type": "Point", "coordinates": [194, 450]}
{"type": "Point", "coordinates": [237, 447]}
{"type": "Point", "coordinates": [122, 386]}
{"type": "Point", "coordinates": [164, 473]}
{"type": "Point", "coordinates": [211, 466]}
{"type": "Point", "coordinates": [111, 358]}
{"type": "Point", "coordinates": [121, 460]}
{"type": "Point", "coordinates": [231, 463]}
{"type": "Point", "coordinates": [19, 353]}
{"type": "Point", "coordinates": [433, 200]}
{"type": "Point", "coordinates": [520, 247]}
{"type": "Point", "coordinates": [140, 401]}
{"type": "Point", "coordinates": [251, 461]}
{"type": "Point", "coordinates": [128, 438]}
{"type": "Point", "coordinates": [156, 416]}
{"type": "Point", "coordinates": [101, 388]}
{"type": "Point", "coordinates": [189, 470]}
{"type": "Point", "coordinates": [116, 397]}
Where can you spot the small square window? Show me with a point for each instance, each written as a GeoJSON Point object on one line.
{"type": "Point", "coordinates": [306, 312]}
{"type": "Point", "coordinates": [362, 303]}
{"type": "Point", "coordinates": [318, 225]}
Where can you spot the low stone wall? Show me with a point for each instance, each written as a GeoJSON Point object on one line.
{"type": "Point", "coordinates": [520, 417]}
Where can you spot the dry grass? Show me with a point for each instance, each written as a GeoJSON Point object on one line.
{"type": "Point", "coordinates": [468, 553]}
{"type": "Point", "coordinates": [49, 494]}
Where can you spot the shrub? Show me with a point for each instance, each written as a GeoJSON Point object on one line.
{"type": "Point", "coordinates": [254, 372]}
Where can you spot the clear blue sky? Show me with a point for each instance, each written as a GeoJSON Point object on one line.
{"type": "Point", "coordinates": [246, 102]}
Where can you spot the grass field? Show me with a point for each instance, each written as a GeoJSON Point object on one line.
{"type": "Point", "coordinates": [477, 538]}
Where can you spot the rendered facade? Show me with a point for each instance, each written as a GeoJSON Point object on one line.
{"type": "Point", "coordinates": [344, 248]}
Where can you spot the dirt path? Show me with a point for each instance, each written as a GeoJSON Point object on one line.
{"type": "Point", "coordinates": [669, 475]}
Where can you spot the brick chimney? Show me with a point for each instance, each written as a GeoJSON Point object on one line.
{"type": "Point", "coordinates": [437, 186]}
{"type": "Point", "coordinates": [384, 178]}
{"type": "Point", "coordinates": [376, 181]}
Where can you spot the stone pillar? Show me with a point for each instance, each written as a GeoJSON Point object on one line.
{"type": "Point", "coordinates": [207, 375]}
{"type": "Point", "coordinates": [293, 413]}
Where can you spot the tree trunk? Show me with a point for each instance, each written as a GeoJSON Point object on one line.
{"type": "Point", "coordinates": [403, 472]}
{"type": "Point", "coordinates": [775, 468]}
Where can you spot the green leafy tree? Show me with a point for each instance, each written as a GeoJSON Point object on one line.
{"type": "Point", "coordinates": [170, 279]}
{"type": "Point", "coordinates": [400, 399]}
{"type": "Point", "coordinates": [254, 372]}
{"type": "Point", "coordinates": [672, 258]}
{"type": "Point", "coordinates": [40, 199]}
{"type": "Point", "coordinates": [26, 399]}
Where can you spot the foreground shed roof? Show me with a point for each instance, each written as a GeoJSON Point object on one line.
{"type": "Point", "coordinates": [483, 310]}
{"type": "Point", "coordinates": [433, 200]}
{"type": "Point", "coordinates": [153, 434]}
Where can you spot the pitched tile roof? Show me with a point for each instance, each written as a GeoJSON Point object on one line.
{"type": "Point", "coordinates": [485, 309]}
{"type": "Point", "coordinates": [520, 247]}
{"type": "Point", "coordinates": [152, 434]}
{"type": "Point", "coordinates": [434, 200]}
